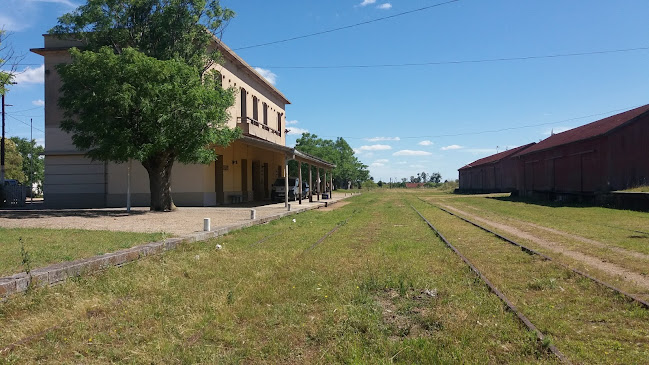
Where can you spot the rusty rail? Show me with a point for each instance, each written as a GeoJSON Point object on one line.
{"type": "Point", "coordinates": [330, 233]}
{"type": "Point", "coordinates": [629, 296]}
{"type": "Point", "coordinates": [499, 294]}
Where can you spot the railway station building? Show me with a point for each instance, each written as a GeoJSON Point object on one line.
{"type": "Point", "coordinates": [244, 171]}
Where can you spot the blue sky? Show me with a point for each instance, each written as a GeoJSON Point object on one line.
{"type": "Point", "coordinates": [405, 120]}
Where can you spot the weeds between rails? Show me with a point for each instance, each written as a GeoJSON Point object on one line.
{"type": "Point", "coordinates": [530, 251]}
{"type": "Point", "coordinates": [542, 339]}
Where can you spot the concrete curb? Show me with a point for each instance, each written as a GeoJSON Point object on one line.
{"type": "Point", "coordinates": [58, 273]}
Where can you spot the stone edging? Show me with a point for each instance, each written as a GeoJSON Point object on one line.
{"type": "Point", "coordinates": [58, 273]}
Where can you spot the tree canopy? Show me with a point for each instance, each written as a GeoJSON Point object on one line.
{"type": "Point", "coordinates": [13, 162]}
{"type": "Point", "coordinates": [31, 160]}
{"type": "Point", "coordinates": [7, 55]}
{"type": "Point", "coordinates": [141, 87]}
{"type": "Point", "coordinates": [339, 152]}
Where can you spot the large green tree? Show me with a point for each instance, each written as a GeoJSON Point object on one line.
{"type": "Point", "coordinates": [32, 163]}
{"type": "Point", "coordinates": [13, 162]}
{"type": "Point", "coordinates": [142, 87]}
{"type": "Point", "coordinates": [339, 152]}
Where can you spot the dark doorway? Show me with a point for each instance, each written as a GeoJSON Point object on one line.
{"type": "Point", "coordinates": [257, 179]}
{"type": "Point", "coordinates": [218, 180]}
{"type": "Point", "coordinates": [266, 192]}
{"type": "Point", "coordinates": [244, 180]}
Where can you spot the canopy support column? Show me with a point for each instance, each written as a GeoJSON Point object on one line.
{"type": "Point", "coordinates": [286, 182]}
{"type": "Point", "coordinates": [310, 184]}
{"type": "Point", "coordinates": [299, 169]}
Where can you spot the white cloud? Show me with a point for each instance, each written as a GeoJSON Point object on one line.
{"type": "Point", "coordinates": [451, 147]}
{"type": "Point", "coordinates": [411, 153]}
{"type": "Point", "coordinates": [296, 131]}
{"type": "Point", "coordinates": [62, 2]}
{"type": "Point", "coordinates": [38, 102]}
{"type": "Point", "coordinates": [267, 74]}
{"type": "Point", "coordinates": [31, 75]}
{"type": "Point", "coordinates": [367, 2]}
{"type": "Point", "coordinates": [385, 6]}
{"type": "Point", "coordinates": [377, 139]}
{"type": "Point", "coordinates": [416, 166]}
{"type": "Point", "coordinates": [10, 23]}
{"type": "Point", "coordinates": [377, 164]}
{"type": "Point", "coordinates": [382, 161]}
{"type": "Point", "coordinates": [425, 143]}
{"type": "Point", "coordinates": [374, 147]}
{"type": "Point", "coordinates": [291, 122]}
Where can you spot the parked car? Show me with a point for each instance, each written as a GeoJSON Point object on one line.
{"type": "Point", "coordinates": [12, 182]}
{"type": "Point", "coordinates": [277, 190]}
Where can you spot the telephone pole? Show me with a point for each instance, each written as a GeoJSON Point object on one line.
{"type": "Point", "coordinates": [2, 148]}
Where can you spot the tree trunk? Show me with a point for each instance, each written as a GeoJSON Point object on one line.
{"type": "Point", "coordinates": [159, 169]}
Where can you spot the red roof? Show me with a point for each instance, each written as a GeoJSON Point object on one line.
{"type": "Point", "coordinates": [497, 157]}
{"type": "Point", "coordinates": [590, 130]}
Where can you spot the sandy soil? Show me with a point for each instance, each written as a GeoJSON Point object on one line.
{"type": "Point", "coordinates": [179, 222]}
{"type": "Point", "coordinates": [591, 261]}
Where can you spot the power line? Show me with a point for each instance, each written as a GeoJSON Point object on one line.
{"type": "Point", "coordinates": [502, 129]}
{"type": "Point", "coordinates": [26, 110]}
{"type": "Point", "coordinates": [27, 124]}
{"type": "Point", "coordinates": [346, 27]}
{"type": "Point", "coordinates": [522, 58]}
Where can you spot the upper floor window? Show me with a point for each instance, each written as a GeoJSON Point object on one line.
{"type": "Point", "coordinates": [218, 78]}
{"type": "Point", "coordinates": [255, 111]}
{"type": "Point", "coordinates": [244, 107]}
{"type": "Point", "coordinates": [265, 114]}
{"type": "Point", "coordinates": [279, 123]}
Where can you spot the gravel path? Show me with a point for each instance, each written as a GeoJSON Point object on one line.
{"type": "Point", "coordinates": [182, 221]}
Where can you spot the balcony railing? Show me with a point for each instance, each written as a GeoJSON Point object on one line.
{"type": "Point", "coordinates": [256, 123]}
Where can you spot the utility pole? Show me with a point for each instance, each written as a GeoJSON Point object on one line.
{"type": "Point", "coordinates": [31, 160]}
{"type": "Point", "coordinates": [2, 148]}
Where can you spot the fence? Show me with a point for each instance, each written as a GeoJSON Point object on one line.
{"type": "Point", "coordinates": [14, 196]}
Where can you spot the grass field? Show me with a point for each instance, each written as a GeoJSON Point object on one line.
{"type": "Point", "coordinates": [380, 288]}
{"type": "Point", "coordinates": [48, 246]}
{"type": "Point", "coordinates": [273, 295]}
{"type": "Point", "coordinates": [609, 236]}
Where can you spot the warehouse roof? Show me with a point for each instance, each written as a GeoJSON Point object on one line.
{"type": "Point", "coordinates": [497, 157]}
{"type": "Point", "coordinates": [590, 130]}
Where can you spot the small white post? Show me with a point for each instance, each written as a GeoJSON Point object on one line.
{"type": "Point", "coordinates": [206, 224]}
{"type": "Point", "coordinates": [253, 214]}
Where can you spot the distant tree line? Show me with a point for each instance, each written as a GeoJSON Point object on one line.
{"type": "Point", "coordinates": [348, 168]}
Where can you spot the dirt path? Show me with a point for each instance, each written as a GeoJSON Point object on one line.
{"type": "Point", "coordinates": [591, 261]}
{"type": "Point", "coordinates": [575, 237]}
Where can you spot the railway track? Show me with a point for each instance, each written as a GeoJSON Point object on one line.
{"type": "Point", "coordinates": [587, 308]}
{"type": "Point", "coordinates": [540, 336]}
{"type": "Point", "coordinates": [531, 251]}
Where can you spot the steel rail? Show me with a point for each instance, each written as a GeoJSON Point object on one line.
{"type": "Point", "coordinates": [629, 296]}
{"type": "Point", "coordinates": [330, 233]}
{"type": "Point", "coordinates": [498, 293]}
